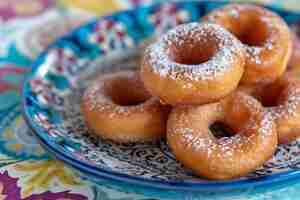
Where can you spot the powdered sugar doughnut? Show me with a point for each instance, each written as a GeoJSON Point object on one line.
{"type": "Point", "coordinates": [266, 37]}
{"type": "Point", "coordinates": [192, 142]}
{"type": "Point", "coordinates": [117, 107]}
{"type": "Point", "coordinates": [294, 62]}
{"type": "Point", "coordinates": [193, 64]}
{"type": "Point", "coordinates": [282, 99]}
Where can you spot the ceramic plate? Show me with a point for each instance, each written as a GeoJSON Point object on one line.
{"type": "Point", "coordinates": [51, 99]}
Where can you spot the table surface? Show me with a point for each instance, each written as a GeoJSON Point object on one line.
{"type": "Point", "coordinates": [26, 28]}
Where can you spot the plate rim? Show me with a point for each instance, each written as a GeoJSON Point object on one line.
{"type": "Point", "coordinates": [101, 173]}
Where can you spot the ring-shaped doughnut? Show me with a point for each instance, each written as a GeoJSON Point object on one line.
{"type": "Point", "coordinates": [282, 99]}
{"type": "Point", "coordinates": [117, 107]}
{"type": "Point", "coordinates": [193, 64]}
{"type": "Point", "coordinates": [266, 37]}
{"type": "Point", "coordinates": [294, 62]}
{"type": "Point", "coordinates": [191, 140]}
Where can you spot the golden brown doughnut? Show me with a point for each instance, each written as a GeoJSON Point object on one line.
{"type": "Point", "coordinates": [117, 107]}
{"type": "Point", "coordinates": [294, 62]}
{"type": "Point", "coordinates": [266, 37]}
{"type": "Point", "coordinates": [282, 100]}
{"type": "Point", "coordinates": [193, 64]}
{"type": "Point", "coordinates": [194, 145]}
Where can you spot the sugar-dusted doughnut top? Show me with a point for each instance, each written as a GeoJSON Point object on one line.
{"type": "Point", "coordinates": [119, 93]}
{"type": "Point", "coordinates": [252, 140]}
{"type": "Point", "coordinates": [282, 99]}
{"type": "Point", "coordinates": [265, 35]}
{"type": "Point", "coordinates": [117, 107]}
{"type": "Point", "coordinates": [194, 51]}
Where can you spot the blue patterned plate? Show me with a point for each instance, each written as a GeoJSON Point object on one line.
{"type": "Point", "coordinates": [51, 98]}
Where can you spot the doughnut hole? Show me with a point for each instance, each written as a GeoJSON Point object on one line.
{"type": "Point", "coordinates": [271, 98]}
{"type": "Point", "coordinates": [132, 91]}
{"type": "Point", "coordinates": [220, 130]}
{"type": "Point", "coordinates": [193, 51]}
{"type": "Point", "coordinates": [254, 36]}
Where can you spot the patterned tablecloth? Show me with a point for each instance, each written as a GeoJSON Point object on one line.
{"type": "Point", "coordinates": [26, 28]}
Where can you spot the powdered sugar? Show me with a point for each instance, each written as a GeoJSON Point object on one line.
{"type": "Point", "coordinates": [223, 147]}
{"type": "Point", "coordinates": [234, 13]}
{"type": "Point", "coordinates": [228, 147]}
{"type": "Point", "coordinates": [251, 103]}
{"type": "Point", "coordinates": [228, 49]}
{"type": "Point", "coordinates": [266, 124]}
{"type": "Point", "coordinates": [253, 54]}
{"type": "Point", "coordinates": [290, 106]}
{"type": "Point", "coordinates": [271, 21]}
{"type": "Point", "coordinates": [100, 102]}
{"type": "Point", "coordinates": [96, 98]}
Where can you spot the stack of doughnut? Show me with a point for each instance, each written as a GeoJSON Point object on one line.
{"type": "Point", "coordinates": [238, 68]}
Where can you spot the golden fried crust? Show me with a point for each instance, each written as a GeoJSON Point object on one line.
{"type": "Point", "coordinates": [117, 107]}
{"type": "Point", "coordinates": [282, 99]}
{"type": "Point", "coordinates": [266, 37]}
{"type": "Point", "coordinates": [294, 62]}
{"type": "Point", "coordinates": [193, 64]}
{"type": "Point", "coordinates": [192, 142]}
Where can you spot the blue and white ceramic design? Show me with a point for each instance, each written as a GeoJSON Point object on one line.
{"type": "Point", "coordinates": [51, 99]}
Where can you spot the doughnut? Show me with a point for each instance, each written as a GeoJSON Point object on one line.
{"type": "Point", "coordinates": [294, 62]}
{"type": "Point", "coordinates": [253, 140]}
{"type": "Point", "coordinates": [117, 107]}
{"type": "Point", "coordinates": [193, 64]}
{"type": "Point", "coordinates": [266, 37]}
{"type": "Point", "coordinates": [143, 46]}
{"type": "Point", "coordinates": [282, 99]}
